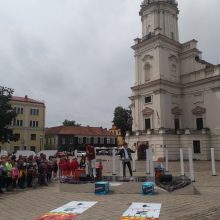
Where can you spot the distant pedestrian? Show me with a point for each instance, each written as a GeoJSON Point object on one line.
{"type": "Point", "coordinates": [74, 165]}
{"type": "Point", "coordinates": [82, 164]}
{"type": "Point", "coordinates": [15, 175]}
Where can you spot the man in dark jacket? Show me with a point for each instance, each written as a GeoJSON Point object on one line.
{"type": "Point", "coordinates": [125, 155]}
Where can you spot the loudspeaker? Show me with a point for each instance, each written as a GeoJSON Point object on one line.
{"type": "Point", "coordinates": [166, 178]}
{"type": "Point", "coordinates": [84, 177]}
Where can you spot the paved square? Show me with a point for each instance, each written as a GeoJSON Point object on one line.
{"type": "Point", "coordinates": [200, 200]}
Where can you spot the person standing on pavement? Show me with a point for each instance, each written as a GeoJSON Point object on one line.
{"type": "Point", "coordinates": [90, 153]}
{"type": "Point", "coordinates": [125, 155]}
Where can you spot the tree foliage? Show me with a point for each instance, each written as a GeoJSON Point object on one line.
{"type": "Point", "coordinates": [122, 119]}
{"type": "Point", "coordinates": [70, 123]}
{"type": "Point", "coordinates": [7, 115]}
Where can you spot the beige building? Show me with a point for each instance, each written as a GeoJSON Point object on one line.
{"type": "Point", "coordinates": [176, 95]}
{"type": "Point", "coordinates": [28, 126]}
{"type": "Point", "coordinates": [117, 132]}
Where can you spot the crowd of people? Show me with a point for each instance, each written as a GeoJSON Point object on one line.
{"type": "Point", "coordinates": [35, 171]}
{"type": "Point", "coordinates": [25, 172]}
{"type": "Point", "coordinates": [68, 167]}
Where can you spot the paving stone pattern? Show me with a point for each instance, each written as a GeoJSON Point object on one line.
{"type": "Point", "coordinates": [200, 200]}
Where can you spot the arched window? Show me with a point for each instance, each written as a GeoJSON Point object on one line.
{"type": "Point", "coordinates": [147, 69]}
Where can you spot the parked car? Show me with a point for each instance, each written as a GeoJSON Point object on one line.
{"type": "Point", "coordinates": [81, 153]}
{"type": "Point", "coordinates": [103, 152]}
{"type": "Point", "coordinates": [3, 153]}
{"type": "Point", "coordinates": [48, 153]}
{"type": "Point", "coordinates": [24, 153]}
{"type": "Point", "coordinates": [60, 154]}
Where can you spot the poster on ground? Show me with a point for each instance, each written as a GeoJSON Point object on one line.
{"type": "Point", "coordinates": [142, 211]}
{"type": "Point", "coordinates": [70, 211]}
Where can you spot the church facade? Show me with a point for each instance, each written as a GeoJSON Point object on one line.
{"type": "Point", "coordinates": [175, 98]}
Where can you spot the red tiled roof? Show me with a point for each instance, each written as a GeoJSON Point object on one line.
{"type": "Point", "coordinates": [78, 130]}
{"type": "Point", "coordinates": [25, 99]}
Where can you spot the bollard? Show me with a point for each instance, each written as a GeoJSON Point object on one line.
{"type": "Point", "coordinates": [213, 162]}
{"type": "Point", "coordinates": [167, 159]}
{"type": "Point", "coordinates": [121, 168]}
{"type": "Point", "coordinates": [191, 169]}
{"type": "Point", "coordinates": [147, 162]}
{"type": "Point", "coordinates": [75, 153]}
{"type": "Point", "coordinates": [134, 162]}
{"type": "Point", "coordinates": [113, 161]}
{"type": "Point", "coordinates": [151, 163]}
{"type": "Point", "coordinates": [181, 162]}
{"type": "Point", "coordinates": [94, 168]}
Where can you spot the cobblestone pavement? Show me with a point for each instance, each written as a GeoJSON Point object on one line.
{"type": "Point", "coordinates": [200, 200]}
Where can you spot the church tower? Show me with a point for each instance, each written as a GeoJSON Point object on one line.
{"type": "Point", "coordinates": [156, 64]}
{"type": "Point", "coordinates": [160, 17]}
{"type": "Point", "coordinates": [174, 89]}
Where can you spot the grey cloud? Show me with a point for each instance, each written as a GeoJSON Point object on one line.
{"type": "Point", "coordinates": [76, 56]}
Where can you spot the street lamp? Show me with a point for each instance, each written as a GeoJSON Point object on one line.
{"type": "Point", "coordinates": [41, 141]}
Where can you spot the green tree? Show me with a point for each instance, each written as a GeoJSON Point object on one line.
{"type": "Point", "coordinates": [7, 115]}
{"type": "Point", "coordinates": [70, 123]}
{"type": "Point", "coordinates": [123, 119]}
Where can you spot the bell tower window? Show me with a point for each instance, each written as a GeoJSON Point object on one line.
{"type": "Point", "coordinates": [147, 69]}
{"type": "Point", "coordinates": [177, 123]}
{"type": "Point", "coordinates": [147, 123]}
{"type": "Point", "coordinates": [199, 123]}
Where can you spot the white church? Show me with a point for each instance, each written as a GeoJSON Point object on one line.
{"type": "Point", "coordinates": [175, 98]}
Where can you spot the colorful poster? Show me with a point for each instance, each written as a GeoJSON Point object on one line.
{"type": "Point", "coordinates": [142, 211]}
{"type": "Point", "coordinates": [69, 211]}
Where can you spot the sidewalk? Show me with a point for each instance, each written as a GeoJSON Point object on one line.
{"type": "Point", "coordinates": [200, 200]}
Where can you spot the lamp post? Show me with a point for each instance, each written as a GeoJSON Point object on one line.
{"type": "Point", "coordinates": [41, 141]}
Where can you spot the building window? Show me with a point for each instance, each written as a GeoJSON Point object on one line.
{"type": "Point", "coordinates": [108, 140]}
{"type": "Point", "coordinates": [112, 140]}
{"type": "Point", "coordinates": [33, 148]}
{"type": "Point", "coordinates": [199, 123]}
{"type": "Point", "coordinates": [148, 99]}
{"type": "Point", "coordinates": [147, 69]}
{"type": "Point", "coordinates": [34, 111]}
{"type": "Point", "coordinates": [88, 140]}
{"type": "Point", "coordinates": [95, 140]}
{"type": "Point", "coordinates": [63, 141]}
{"type": "Point", "coordinates": [17, 136]}
{"type": "Point", "coordinates": [177, 123]}
{"type": "Point", "coordinates": [33, 124]}
{"type": "Point", "coordinates": [19, 110]}
{"type": "Point", "coordinates": [172, 35]}
{"type": "Point", "coordinates": [101, 140]}
{"type": "Point", "coordinates": [71, 140]}
{"type": "Point", "coordinates": [147, 123]}
{"type": "Point", "coordinates": [80, 140]}
{"type": "Point", "coordinates": [33, 137]}
{"type": "Point", "coordinates": [16, 148]}
{"type": "Point", "coordinates": [18, 123]}
{"type": "Point", "coordinates": [196, 147]}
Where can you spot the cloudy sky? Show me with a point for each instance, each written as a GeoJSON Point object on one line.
{"type": "Point", "coordinates": [76, 56]}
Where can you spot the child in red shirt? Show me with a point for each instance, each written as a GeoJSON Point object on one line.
{"type": "Point", "coordinates": [74, 165]}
